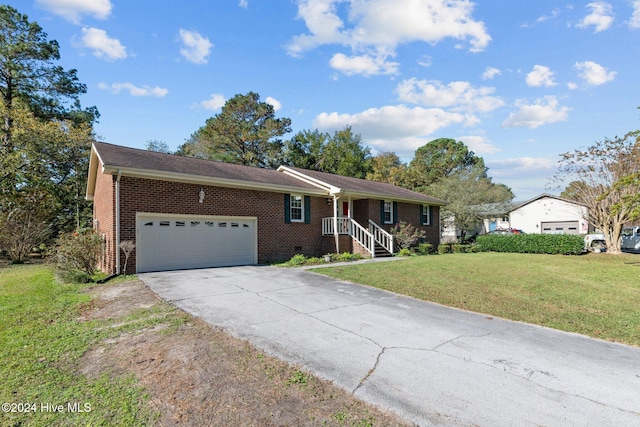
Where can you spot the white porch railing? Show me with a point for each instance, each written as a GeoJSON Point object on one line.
{"type": "Point", "coordinates": [366, 238]}
{"type": "Point", "coordinates": [382, 237]}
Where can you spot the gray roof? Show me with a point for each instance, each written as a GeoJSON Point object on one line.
{"type": "Point", "coordinates": [154, 165]}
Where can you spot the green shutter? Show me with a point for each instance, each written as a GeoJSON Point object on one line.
{"type": "Point", "coordinates": [287, 208]}
{"type": "Point", "coordinates": [421, 215]}
{"type": "Point", "coordinates": [381, 211]}
{"type": "Point", "coordinates": [430, 215]}
{"type": "Point", "coordinates": [395, 213]}
{"type": "Point", "coordinates": [307, 209]}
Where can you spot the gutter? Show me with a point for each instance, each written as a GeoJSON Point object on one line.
{"type": "Point", "coordinates": [118, 221]}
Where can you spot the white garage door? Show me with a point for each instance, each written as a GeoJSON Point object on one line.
{"type": "Point", "coordinates": [560, 227]}
{"type": "Point", "coordinates": [182, 242]}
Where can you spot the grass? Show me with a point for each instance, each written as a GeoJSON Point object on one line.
{"type": "Point", "coordinates": [40, 340]}
{"type": "Point", "coordinates": [597, 294]}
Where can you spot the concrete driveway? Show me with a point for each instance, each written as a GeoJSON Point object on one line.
{"type": "Point", "coordinates": [431, 364]}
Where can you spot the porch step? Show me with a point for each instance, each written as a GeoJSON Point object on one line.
{"type": "Point", "coordinates": [381, 252]}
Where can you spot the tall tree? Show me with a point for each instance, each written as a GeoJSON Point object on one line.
{"type": "Point", "coordinates": [604, 175]}
{"type": "Point", "coordinates": [341, 154]}
{"type": "Point", "coordinates": [387, 167]}
{"type": "Point", "coordinates": [467, 190]}
{"type": "Point", "coordinates": [245, 132]}
{"type": "Point", "coordinates": [28, 74]}
{"type": "Point", "coordinates": [441, 158]}
{"type": "Point", "coordinates": [157, 146]}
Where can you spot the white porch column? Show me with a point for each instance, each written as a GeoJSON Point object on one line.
{"type": "Point", "coordinates": [336, 235]}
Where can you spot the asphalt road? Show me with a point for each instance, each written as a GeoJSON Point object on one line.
{"type": "Point", "coordinates": [431, 364]}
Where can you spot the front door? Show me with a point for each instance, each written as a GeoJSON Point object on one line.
{"type": "Point", "coordinates": [345, 209]}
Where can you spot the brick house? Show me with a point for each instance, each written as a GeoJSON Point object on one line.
{"type": "Point", "coordinates": [185, 212]}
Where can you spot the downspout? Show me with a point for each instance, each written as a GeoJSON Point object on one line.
{"type": "Point", "coordinates": [335, 223]}
{"type": "Point", "coordinates": [118, 221]}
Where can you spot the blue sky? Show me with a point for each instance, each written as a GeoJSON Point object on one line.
{"type": "Point", "coordinates": [519, 82]}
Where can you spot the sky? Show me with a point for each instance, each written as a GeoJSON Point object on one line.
{"type": "Point", "coordinates": [519, 82]}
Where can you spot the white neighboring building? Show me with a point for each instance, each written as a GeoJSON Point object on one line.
{"type": "Point", "coordinates": [548, 214]}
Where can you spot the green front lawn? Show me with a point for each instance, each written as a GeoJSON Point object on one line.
{"type": "Point", "coordinates": [41, 340]}
{"type": "Point", "coordinates": [596, 294]}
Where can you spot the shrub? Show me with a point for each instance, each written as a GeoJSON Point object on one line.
{"type": "Point", "coordinates": [406, 235]}
{"type": "Point", "coordinates": [444, 248]}
{"type": "Point", "coordinates": [78, 255]}
{"type": "Point", "coordinates": [425, 249]}
{"type": "Point", "coordinates": [405, 252]}
{"type": "Point", "coordinates": [297, 260]}
{"type": "Point", "coordinates": [566, 244]}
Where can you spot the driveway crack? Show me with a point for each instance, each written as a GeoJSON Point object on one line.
{"type": "Point", "coordinates": [371, 371]}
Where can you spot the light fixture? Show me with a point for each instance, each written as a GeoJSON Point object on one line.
{"type": "Point", "coordinates": [329, 201]}
{"type": "Point", "coordinates": [201, 196]}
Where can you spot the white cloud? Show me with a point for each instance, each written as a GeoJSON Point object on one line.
{"type": "Point", "coordinates": [544, 111]}
{"type": "Point", "coordinates": [528, 177]}
{"type": "Point", "coordinates": [593, 73]}
{"type": "Point", "coordinates": [195, 48]}
{"type": "Point", "coordinates": [72, 10]}
{"type": "Point", "coordinates": [460, 96]}
{"type": "Point", "coordinates": [392, 128]}
{"type": "Point", "coordinates": [133, 90]}
{"type": "Point", "coordinates": [634, 22]}
{"type": "Point", "coordinates": [102, 45]}
{"type": "Point", "coordinates": [364, 65]}
{"type": "Point", "coordinates": [572, 85]}
{"type": "Point", "coordinates": [601, 16]}
{"type": "Point", "coordinates": [478, 144]}
{"type": "Point", "coordinates": [243, 4]}
{"type": "Point", "coordinates": [382, 25]}
{"type": "Point", "coordinates": [274, 103]}
{"type": "Point", "coordinates": [540, 76]}
{"type": "Point", "coordinates": [490, 73]}
{"type": "Point", "coordinates": [215, 102]}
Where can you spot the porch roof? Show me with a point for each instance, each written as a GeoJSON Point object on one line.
{"type": "Point", "coordinates": [356, 188]}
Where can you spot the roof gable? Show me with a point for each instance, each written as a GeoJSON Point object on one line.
{"type": "Point", "coordinates": [545, 195]}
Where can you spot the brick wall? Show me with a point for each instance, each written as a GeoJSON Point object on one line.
{"type": "Point", "coordinates": [104, 218]}
{"type": "Point", "coordinates": [277, 240]}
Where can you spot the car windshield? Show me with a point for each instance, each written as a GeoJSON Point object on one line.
{"type": "Point", "coordinates": [627, 232]}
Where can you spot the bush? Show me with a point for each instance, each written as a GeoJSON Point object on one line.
{"type": "Point", "coordinates": [405, 252]}
{"type": "Point", "coordinates": [297, 260]}
{"type": "Point", "coordinates": [406, 235]}
{"type": "Point", "coordinates": [425, 249]}
{"type": "Point", "coordinates": [566, 244]}
{"type": "Point", "coordinates": [78, 255]}
{"type": "Point", "coordinates": [444, 248]}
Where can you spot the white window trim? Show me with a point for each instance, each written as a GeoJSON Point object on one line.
{"type": "Point", "coordinates": [293, 197]}
{"type": "Point", "coordinates": [390, 211]}
{"type": "Point", "coordinates": [426, 213]}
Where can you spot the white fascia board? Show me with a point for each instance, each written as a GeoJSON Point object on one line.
{"type": "Point", "coordinates": [333, 190]}
{"type": "Point", "coordinates": [203, 180]}
{"type": "Point", "coordinates": [364, 195]}
{"type": "Point", "coordinates": [94, 164]}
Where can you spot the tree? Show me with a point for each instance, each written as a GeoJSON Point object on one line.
{"type": "Point", "coordinates": [438, 159]}
{"type": "Point", "coordinates": [28, 74]}
{"type": "Point", "coordinates": [387, 167]}
{"type": "Point", "coordinates": [467, 190]}
{"type": "Point", "coordinates": [157, 146]}
{"type": "Point", "coordinates": [341, 154]}
{"type": "Point", "coordinates": [245, 132]}
{"type": "Point", "coordinates": [607, 186]}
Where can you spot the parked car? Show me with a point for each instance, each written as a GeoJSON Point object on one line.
{"type": "Point", "coordinates": [630, 240]}
{"type": "Point", "coordinates": [595, 242]}
{"type": "Point", "coordinates": [506, 231]}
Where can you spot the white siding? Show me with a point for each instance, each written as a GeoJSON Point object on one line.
{"type": "Point", "coordinates": [529, 217]}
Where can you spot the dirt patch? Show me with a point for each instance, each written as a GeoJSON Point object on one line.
{"type": "Point", "coordinates": [198, 375]}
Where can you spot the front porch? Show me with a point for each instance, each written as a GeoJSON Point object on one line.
{"type": "Point", "coordinates": [374, 240]}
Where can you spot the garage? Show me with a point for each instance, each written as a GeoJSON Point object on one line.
{"type": "Point", "coordinates": [560, 227]}
{"type": "Point", "coordinates": [174, 242]}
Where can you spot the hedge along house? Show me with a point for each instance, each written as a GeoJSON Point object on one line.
{"type": "Point", "coordinates": [186, 213]}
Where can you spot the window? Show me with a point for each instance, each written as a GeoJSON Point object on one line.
{"type": "Point", "coordinates": [426, 215]}
{"type": "Point", "coordinates": [296, 208]}
{"type": "Point", "coordinates": [388, 212]}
